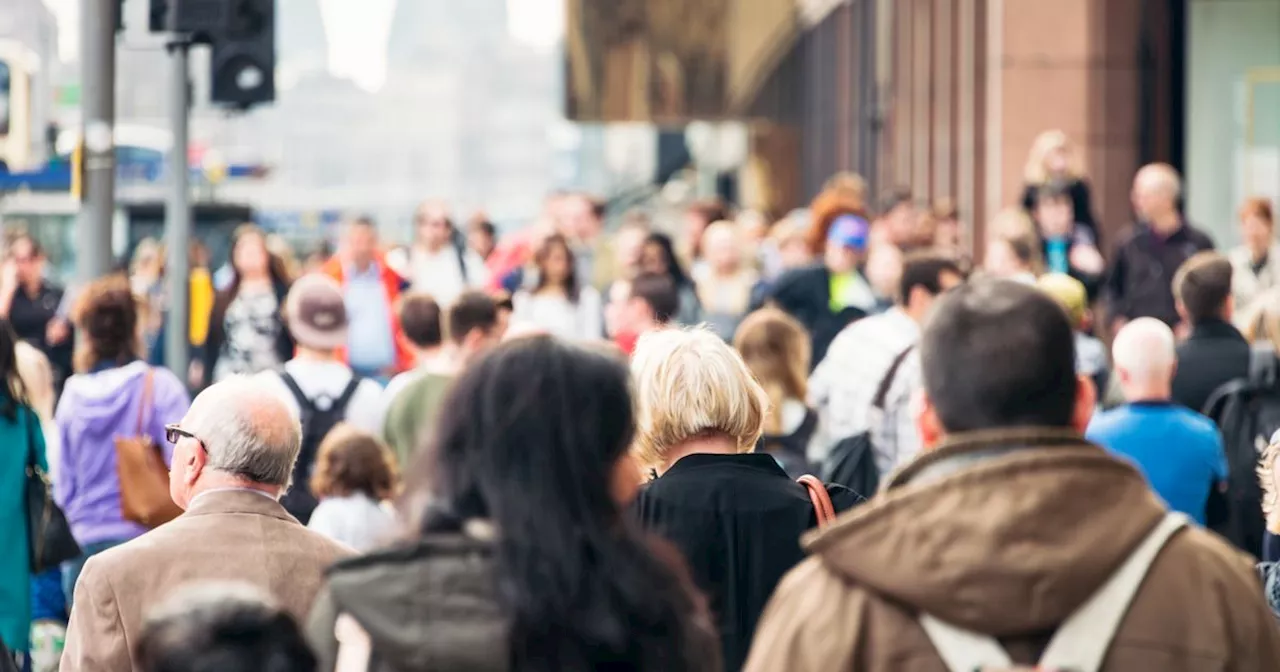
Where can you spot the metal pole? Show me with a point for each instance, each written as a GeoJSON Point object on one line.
{"type": "Point", "coordinates": [177, 222]}
{"type": "Point", "coordinates": [98, 56]}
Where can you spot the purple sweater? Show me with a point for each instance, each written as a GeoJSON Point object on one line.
{"type": "Point", "coordinates": [95, 408]}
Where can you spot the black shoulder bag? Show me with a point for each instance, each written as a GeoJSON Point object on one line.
{"type": "Point", "coordinates": [49, 538]}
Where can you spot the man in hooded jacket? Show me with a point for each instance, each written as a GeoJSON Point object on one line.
{"type": "Point", "coordinates": [1008, 525]}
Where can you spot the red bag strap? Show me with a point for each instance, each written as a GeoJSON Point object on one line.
{"type": "Point", "coordinates": [821, 499]}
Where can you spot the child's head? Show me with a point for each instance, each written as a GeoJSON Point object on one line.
{"type": "Point", "coordinates": [353, 462]}
{"type": "Point", "coordinates": [1055, 213]}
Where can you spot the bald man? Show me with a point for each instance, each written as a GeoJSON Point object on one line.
{"type": "Point", "coordinates": [232, 459]}
{"type": "Point", "coordinates": [1139, 282]}
{"type": "Point", "coordinates": [1180, 452]}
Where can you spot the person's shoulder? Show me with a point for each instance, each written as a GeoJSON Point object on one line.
{"type": "Point", "coordinates": [167, 383]}
{"type": "Point", "coordinates": [1194, 423]}
{"type": "Point", "coordinates": [314, 544]}
{"type": "Point", "coordinates": [1199, 237]}
{"type": "Point", "coordinates": [1218, 564]}
{"type": "Point", "coordinates": [1107, 421]}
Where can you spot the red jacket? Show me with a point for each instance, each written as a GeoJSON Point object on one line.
{"type": "Point", "coordinates": [394, 285]}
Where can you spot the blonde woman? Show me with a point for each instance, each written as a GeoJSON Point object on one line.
{"type": "Point", "coordinates": [776, 350]}
{"type": "Point", "coordinates": [1051, 159]}
{"type": "Point", "coordinates": [735, 514]}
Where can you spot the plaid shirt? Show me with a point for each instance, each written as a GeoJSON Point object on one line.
{"type": "Point", "coordinates": [843, 386]}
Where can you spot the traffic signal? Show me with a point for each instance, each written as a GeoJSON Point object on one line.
{"type": "Point", "coordinates": [244, 55]}
{"type": "Point", "coordinates": [202, 19]}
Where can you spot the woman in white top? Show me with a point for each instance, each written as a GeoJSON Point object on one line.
{"type": "Point", "coordinates": [354, 477]}
{"type": "Point", "coordinates": [558, 302]}
{"type": "Point", "coordinates": [1255, 264]}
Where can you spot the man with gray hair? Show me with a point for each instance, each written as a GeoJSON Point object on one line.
{"type": "Point", "coordinates": [1140, 280]}
{"type": "Point", "coordinates": [1179, 451]}
{"type": "Point", "coordinates": [232, 459]}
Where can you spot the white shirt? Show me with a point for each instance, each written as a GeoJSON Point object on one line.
{"type": "Point", "coordinates": [560, 317]}
{"type": "Point", "coordinates": [437, 273]}
{"type": "Point", "coordinates": [320, 378]}
{"type": "Point", "coordinates": [843, 385]}
{"type": "Point", "coordinates": [354, 520]}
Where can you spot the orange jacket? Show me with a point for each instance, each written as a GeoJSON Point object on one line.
{"type": "Point", "coordinates": [394, 285]}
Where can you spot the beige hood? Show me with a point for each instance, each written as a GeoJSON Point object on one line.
{"type": "Point", "coordinates": [1007, 543]}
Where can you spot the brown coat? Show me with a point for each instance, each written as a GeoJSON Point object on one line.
{"type": "Point", "coordinates": [1008, 540]}
{"type": "Point", "coordinates": [224, 536]}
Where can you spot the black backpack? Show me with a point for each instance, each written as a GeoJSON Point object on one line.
{"type": "Point", "coordinates": [319, 415]}
{"type": "Point", "coordinates": [1247, 411]}
{"type": "Point", "coordinates": [852, 462]}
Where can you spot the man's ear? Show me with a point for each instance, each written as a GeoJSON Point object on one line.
{"type": "Point", "coordinates": [196, 460]}
{"type": "Point", "coordinates": [1086, 402]}
{"type": "Point", "coordinates": [927, 423]}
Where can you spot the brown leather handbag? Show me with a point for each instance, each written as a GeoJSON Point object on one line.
{"type": "Point", "coordinates": [144, 478]}
{"type": "Point", "coordinates": [821, 499]}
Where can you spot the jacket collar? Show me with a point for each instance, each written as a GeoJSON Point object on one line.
{"type": "Point", "coordinates": [217, 502]}
{"type": "Point", "coordinates": [761, 462]}
{"type": "Point", "coordinates": [1215, 328]}
{"type": "Point", "coordinates": [959, 451]}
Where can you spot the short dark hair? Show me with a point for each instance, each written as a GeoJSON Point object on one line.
{"type": "Point", "coordinates": [365, 221]}
{"type": "Point", "coordinates": [472, 310]}
{"type": "Point", "coordinates": [1053, 190]}
{"type": "Point", "coordinates": [221, 630]}
{"type": "Point", "coordinates": [996, 354]}
{"type": "Point", "coordinates": [659, 292]}
{"type": "Point", "coordinates": [1202, 285]}
{"type": "Point", "coordinates": [420, 320]}
{"type": "Point", "coordinates": [925, 269]}
{"type": "Point", "coordinates": [894, 198]}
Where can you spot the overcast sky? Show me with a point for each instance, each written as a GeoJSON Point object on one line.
{"type": "Point", "coordinates": [358, 32]}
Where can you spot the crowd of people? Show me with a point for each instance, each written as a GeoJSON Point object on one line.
{"type": "Point", "coordinates": [830, 442]}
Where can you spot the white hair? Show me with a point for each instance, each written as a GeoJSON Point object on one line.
{"type": "Point", "coordinates": [1145, 348]}
{"type": "Point", "coordinates": [688, 382]}
{"type": "Point", "coordinates": [247, 431]}
{"type": "Point", "coordinates": [1161, 177]}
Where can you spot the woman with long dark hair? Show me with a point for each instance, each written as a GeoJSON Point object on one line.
{"type": "Point", "coordinates": [20, 433]}
{"type": "Point", "coordinates": [558, 302]}
{"type": "Point", "coordinates": [523, 558]}
{"type": "Point", "coordinates": [247, 332]}
{"type": "Point", "coordinates": [658, 255]}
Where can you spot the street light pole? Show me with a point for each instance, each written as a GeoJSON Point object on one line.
{"type": "Point", "coordinates": [98, 56]}
{"type": "Point", "coordinates": [178, 213]}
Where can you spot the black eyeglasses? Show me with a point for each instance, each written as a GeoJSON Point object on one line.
{"type": "Point", "coordinates": [173, 434]}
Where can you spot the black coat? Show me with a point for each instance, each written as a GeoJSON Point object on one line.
{"type": "Point", "coordinates": [737, 519]}
{"type": "Point", "coordinates": [1139, 282]}
{"type": "Point", "coordinates": [1213, 355]}
{"type": "Point", "coordinates": [805, 294]}
{"type": "Point", "coordinates": [218, 329]}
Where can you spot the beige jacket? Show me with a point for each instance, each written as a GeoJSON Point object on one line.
{"type": "Point", "coordinates": [229, 535]}
{"type": "Point", "coordinates": [1007, 540]}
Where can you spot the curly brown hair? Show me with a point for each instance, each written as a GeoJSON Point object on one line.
{"type": "Point", "coordinates": [106, 314]}
{"type": "Point", "coordinates": [350, 461]}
